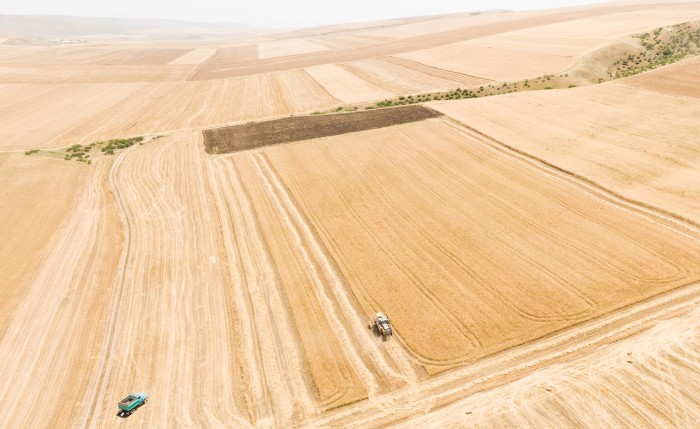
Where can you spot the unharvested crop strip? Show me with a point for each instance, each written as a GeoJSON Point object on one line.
{"type": "Point", "coordinates": [679, 224]}
{"type": "Point", "coordinates": [499, 369]}
{"type": "Point", "coordinates": [495, 239]}
{"type": "Point", "coordinates": [317, 261]}
{"type": "Point", "coordinates": [307, 247]}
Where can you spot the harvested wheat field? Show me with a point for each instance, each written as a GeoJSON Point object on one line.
{"type": "Point", "coordinates": [639, 136]}
{"type": "Point", "coordinates": [28, 225]}
{"type": "Point", "coordinates": [538, 253]}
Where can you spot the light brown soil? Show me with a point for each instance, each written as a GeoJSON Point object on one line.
{"type": "Point", "coordinates": [234, 53]}
{"type": "Point", "coordinates": [434, 39]}
{"type": "Point", "coordinates": [261, 134]}
{"type": "Point", "coordinates": [37, 194]}
{"type": "Point", "coordinates": [680, 79]}
{"type": "Point", "coordinates": [143, 56]}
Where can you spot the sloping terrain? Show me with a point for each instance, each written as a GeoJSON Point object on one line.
{"type": "Point", "coordinates": [638, 136]}
{"type": "Point", "coordinates": [469, 250]}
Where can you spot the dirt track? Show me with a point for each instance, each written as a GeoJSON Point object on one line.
{"type": "Point", "coordinates": [262, 134]}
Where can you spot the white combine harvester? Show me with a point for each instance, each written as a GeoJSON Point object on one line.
{"type": "Point", "coordinates": [381, 324]}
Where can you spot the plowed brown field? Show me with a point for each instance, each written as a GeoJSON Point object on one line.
{"type": "Point", "coordinates": [156, 87]}
{"type": "Point", "coordinates": [288, 130]}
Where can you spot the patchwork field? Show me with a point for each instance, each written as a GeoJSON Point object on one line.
{"type": "Point", "coordinates": [538, 253]}
{"type": "Point", "coordinates": [293, 72]}
{"type": "Point", "coordinates": [550, 48]}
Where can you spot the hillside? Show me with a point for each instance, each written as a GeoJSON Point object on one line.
{"type": "Point", "coordinates": [72, 27]}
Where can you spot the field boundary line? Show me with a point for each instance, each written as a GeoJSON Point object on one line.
{"type": "Point", "coordinates": [681, 224]}
{"type": "Point", "coordinates": [435, 71]}
{"type": "Point", "coordinates": [516, 255]}
{"type": "Point", "coordinates": [239, 245]}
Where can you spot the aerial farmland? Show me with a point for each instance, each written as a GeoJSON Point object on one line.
{"type": "Point", "coordinates": [215, 216]}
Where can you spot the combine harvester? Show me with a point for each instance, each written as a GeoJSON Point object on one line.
{"type": "Point", "coordinates": [130, 403]}
{"type": "Point", "coordinates": [381, 324]}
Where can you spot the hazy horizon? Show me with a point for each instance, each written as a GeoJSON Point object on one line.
{"type": "Point", "coordinates": [267, 13]}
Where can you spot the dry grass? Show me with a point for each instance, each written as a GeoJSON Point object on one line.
{"type": "Point", "coordinates": [37, 196]}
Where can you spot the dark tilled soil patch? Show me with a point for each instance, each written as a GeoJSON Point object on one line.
{"type": "Point", "coordinates": [260, 134]}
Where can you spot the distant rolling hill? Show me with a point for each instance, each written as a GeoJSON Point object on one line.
{"type": "Point", "coordinates": [52, 26]}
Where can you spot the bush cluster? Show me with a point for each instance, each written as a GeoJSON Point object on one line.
{"type": "Point", "coordinates": [79, 153]}
{"type": "Point", "coordinates": [115, 144]}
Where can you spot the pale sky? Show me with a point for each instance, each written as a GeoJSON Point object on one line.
{"type": "Point", "coordinates": [268, 13]}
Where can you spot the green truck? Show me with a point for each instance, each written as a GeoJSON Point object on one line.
{"type": "Point", "coordinates": [130, 403]}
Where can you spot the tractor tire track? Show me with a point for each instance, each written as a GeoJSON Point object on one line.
{"type": "Point", "coordinates": [278, 365]}
{"type": "Point", "coordinates": [335, 302]}
{"type": "Point", "coordinates": [48, 337]}
{"type": "Point", "coordinates": [171, 320]}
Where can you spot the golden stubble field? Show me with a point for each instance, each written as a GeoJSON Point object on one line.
{"type": "Point", "coordinates": [639, 136]}
{"type": "Point", "coordinates": [235, 289]}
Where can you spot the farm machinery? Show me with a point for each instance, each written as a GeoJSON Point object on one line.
{"type": "Point", "coordinates": [380, 324]}
{"type": "Point", "coordinates": [130, 403]}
